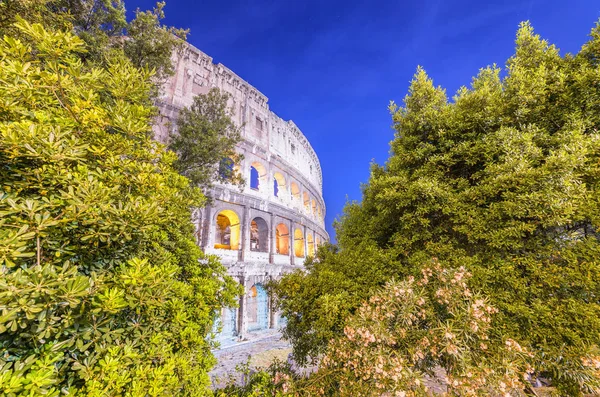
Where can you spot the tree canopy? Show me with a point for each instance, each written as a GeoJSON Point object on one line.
{"type": "Point", "coordinates": [204, 140]}
{"type": "Point", "coordinates": [103, 289]}
{"type": "Point", "coordinates": [103, 26]}
{"type": "Point", "coordinates": [503, 180]}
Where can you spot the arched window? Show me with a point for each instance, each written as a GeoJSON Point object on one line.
{"type": "Point", "coordinates": [259, 235]}
{"type": "Point", "coordinates": [226, 168]}
{"type": "Point", "coordinates": [257, 304]}
{"type": "Point", "coordinates": [279, 185]}
{"type": "Point", "coordinates": [295, 191]}
{"type": "Point", "coordinates": [314, 207]}
{"type": "Point", "coordinates": [227, 233]}
{"type": "Point", "coordinates": [257, 174]}
{"type": "Point", "coordinates": [282, 240]}
{"type": "Point", "coordinates": [254, 179]}
{"type": "Point", "coordinates": [311, 244]}
{"type": "Point", "coordinates": [298, 243]}
{"type": "Point", "coordinates": [306, 201]}
{"type": "Point", "coordinates": [318, 241]}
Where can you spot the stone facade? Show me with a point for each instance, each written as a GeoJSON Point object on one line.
{"type": "Point", "coordinates": [267, 228]}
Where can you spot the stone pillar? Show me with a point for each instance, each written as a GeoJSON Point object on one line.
{"type": "Point", "coordinates": [207, 227]}
{"type": "Point", "coordinates": [291, 240]}
{"type": "Point", "coordinates": [177, 89]}
{"type": "Point", "coordinates": [242, 318]}
{"type": "Point", "coordinates": [272, 231]}
{"type": "Point", "coordinates": [304, 230]}
{"type": "Point", "coordinates": [244, 234]}
{"type": "Point", "coordinates": [272, 316]}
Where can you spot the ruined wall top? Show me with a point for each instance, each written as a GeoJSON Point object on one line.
{"type": "Point", "coordinates": [196, 73]}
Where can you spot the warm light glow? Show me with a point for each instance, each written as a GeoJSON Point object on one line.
{"type": "Point", "coordinates": [295, 190]}
{"type": "Point", "coordinates": [298, 243]}
{"type": "Point", "coordinates": [311, 245]}
{"type": "Point", "coordinates": [282, 239]}
{"type": "Point", "coordinates": [227, 230]}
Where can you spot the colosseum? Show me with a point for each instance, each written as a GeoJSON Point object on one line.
{"type": "Point", "coordinates": [270, 226]}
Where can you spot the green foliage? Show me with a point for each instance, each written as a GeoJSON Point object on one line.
{"type": "Point", "coordinates": [316, 302]}
{"type": "Point", "coordinates": [103, 26]}
{"type": "Point", "coordinates": [277, 381]}
{"type": "Point", "coordinates": [150, 44]}
{"type": "Point", "coordinates": [205, 140]}
{"type": "Point", "coordinates": [502, 180]}
{"type": "Point", "coordinates": [103, 289]}
{"type": "Point", "coordinates": [419, 333]}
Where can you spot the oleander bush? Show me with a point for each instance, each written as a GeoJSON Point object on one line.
{"type": "Point", "coordinates": [502, 179]}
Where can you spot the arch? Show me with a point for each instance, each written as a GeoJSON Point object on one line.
{"type": "Point", "coordinates": [314, 207]}
{"type": "Point", "coordinates": [306, 201]}
{"type": "Point", "coordinates": [226, 168]}
{"type": "Point", "coordinates": [259, 235]}
{"type": "Point", "coordinates": [318, 241]}
{"type": "Point", "coordinates": [257, 175]}
{"type": "Point", "coordinates": [298, 243]}
{"type": "Point", "coordinates": [225, 324]}
{"type": "Point", "coordinates": [278, 185]}
{"type": "Point", "coordinates": [282, 239]}
{"type": "Point", "coordinates": [227, 230]}
{"type": "Point", "coordinates": [257, 304]}
{"type": "Point", "coordinates": [311, 244]}
{"type": "Point", "coordinates": [295, 191]}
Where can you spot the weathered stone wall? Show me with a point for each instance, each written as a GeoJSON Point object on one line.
{"type": "Point", "coordinates": [291, 216]}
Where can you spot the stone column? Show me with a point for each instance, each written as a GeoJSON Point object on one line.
{"type": "Point", "coordinates": [244, 234]}
{"type": "Point", "coordinates": [242, 318]}
{"type": "Point", "coordinates": [272, 231]}
{"type": "Point", "coordinates": [272, 316]}
{"type": "Point", "coordinates": [291, 239]}
{"type": "Point", "coordinates": [305, 231]}
{"type": "Point", "coordinates": [176, 89]}
{"type": "Point", "coordinates": [206, 227]}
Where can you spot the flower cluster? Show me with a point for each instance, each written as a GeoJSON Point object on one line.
{"type": "Point", "coordinates": [418, 335]}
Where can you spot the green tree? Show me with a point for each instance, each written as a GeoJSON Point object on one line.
{"type": "Point", "coordinates": [103, 26]}
{"type": "Point", "coordinates": [205, 140]}
{"type": "Point", "coordinates": [103, 289]}
{"type": "Point", "coordinates": [502, 180]}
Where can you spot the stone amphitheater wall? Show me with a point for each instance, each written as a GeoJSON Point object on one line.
{"type": "Point", "coordinates": [270, 225]}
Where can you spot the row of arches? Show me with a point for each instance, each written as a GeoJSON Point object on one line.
{"type": "Point", "coordinates": [228, 234]}
{"type": "Point", "coordinates": [259, 179]}
{"type": "Point", "coordinates": [256, 316]}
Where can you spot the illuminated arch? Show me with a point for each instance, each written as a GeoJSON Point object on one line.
{"type": "Point", "coordinates": [306, 201]}
{"type": "Point", "coordinates": [311, 244]}
{"type": "Point", "coordinates": [298, 243]}
{"type": "Point", "coordinates": [314, 207]}
{"type": "Point", "coordinates": [279, 187]}
{"type": "Point", "coordinates": [257, 175]}
{"type": "Point", "coordinates": [295, 191]}
{"type": "Point", "coordinates": [227, 230]}
{"type": "Point", "coordinates": [318, 241]}
{"type": "Point", "coordinates": [259, 235]}
{"type": "Point", "coordinates": [282, 240]}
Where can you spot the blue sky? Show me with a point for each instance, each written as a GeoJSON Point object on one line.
{"type": "Point", "coordinates": [333, 66]}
